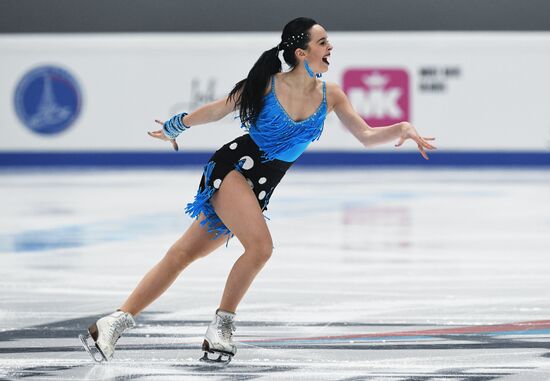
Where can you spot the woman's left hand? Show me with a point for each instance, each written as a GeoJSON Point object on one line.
{"type": "Point", "coordinates": [409, 132]}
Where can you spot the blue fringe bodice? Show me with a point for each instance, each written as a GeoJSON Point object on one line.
{"type": "Point", "coordinates": [280, 137]}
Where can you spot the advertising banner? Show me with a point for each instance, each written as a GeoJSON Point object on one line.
{"type": "Point", "coordinates": [81, 93]}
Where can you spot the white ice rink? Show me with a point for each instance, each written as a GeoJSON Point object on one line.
{"type": "Point", "coordinates": [376, 275]}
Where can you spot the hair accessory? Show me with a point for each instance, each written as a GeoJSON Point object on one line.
{"type": "Point", "coordinates": [280, 56]}
{"type": "Point", "coordinates": [174, 126]}
{"type": "Point", "coordinates": [292, 40]}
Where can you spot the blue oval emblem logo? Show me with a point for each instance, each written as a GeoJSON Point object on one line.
{"type": "Point", "coordinates": [47, 100]}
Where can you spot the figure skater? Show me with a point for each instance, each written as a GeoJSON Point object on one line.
{"type": "Point", "coordinates": [282, 113]}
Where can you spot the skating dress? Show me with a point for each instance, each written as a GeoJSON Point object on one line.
{"type": "Point", "coordinates": [262, 156]}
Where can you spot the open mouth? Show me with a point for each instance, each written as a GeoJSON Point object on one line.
{"type": "Point", "coordinates": [325, 59]}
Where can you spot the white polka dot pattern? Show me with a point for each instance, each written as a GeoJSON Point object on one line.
{"type": "Point", "coordinates": [233, 146]}
{"type": "Point", "coordinates": [261, 196]}
{"type": "Point", "coordinates": [248, 162]}
{"type": "Point", "coordinates": [262, 180]}
{"type": "Point", "coordinates": [217, 183]}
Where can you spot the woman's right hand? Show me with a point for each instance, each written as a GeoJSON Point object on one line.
{"type": "Point", "coordinates": [159, 134]}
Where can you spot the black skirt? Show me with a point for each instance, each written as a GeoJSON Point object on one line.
{"type": "Point", "coordinates": [244, 156]}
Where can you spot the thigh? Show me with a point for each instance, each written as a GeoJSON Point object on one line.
{"type": "Point", "coordinates": [238, 208]}
{"type": "Point", "coordinates": [197, 241]}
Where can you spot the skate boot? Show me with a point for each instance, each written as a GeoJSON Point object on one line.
{"type": "Point", "coordinates": [219, 339]}
{"type": "Point", "coordinates": [105, 332]}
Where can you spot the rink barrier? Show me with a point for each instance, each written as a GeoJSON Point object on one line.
{"type": "Point", "coordinates": [315, 158]}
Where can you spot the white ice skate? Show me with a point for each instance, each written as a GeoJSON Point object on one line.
{"type": "Point", "coordinates": [105, 332]}
{"type": "Point", "coordinates": [219, 339]}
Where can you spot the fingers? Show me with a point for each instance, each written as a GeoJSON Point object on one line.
{"type": "Point", "coordinates": [422, 142]}
{"type": "Point", "coordinates": [423, 152]}
{"type": "Point", "coordinates": [159, 122]}
{"type": "Point", "coordinates": [159, 134]}
{"type": "Point", "coordinates": [156, 134]}
{"type": "Point", "coordinates": [400, 142]}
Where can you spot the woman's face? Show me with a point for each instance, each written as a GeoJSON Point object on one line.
{"type": "Point", "coordinates": [318, 52]}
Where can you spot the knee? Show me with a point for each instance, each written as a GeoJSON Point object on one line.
{"type": "Point", "coordinates": [181, 257]}
{"type": "Point", "coordinates": [261, 252]}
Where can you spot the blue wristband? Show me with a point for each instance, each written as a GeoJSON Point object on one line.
{"type": "Point", "coordinates": [174, 126]}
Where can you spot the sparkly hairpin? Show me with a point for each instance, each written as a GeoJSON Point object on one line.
{"type": "Point", "coordinates": [293, 39]}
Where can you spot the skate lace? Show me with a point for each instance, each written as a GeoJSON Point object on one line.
{"type": "Point", "coordinates": [118, 326]}
{"type": "Point", "coordinates": [226, 327]}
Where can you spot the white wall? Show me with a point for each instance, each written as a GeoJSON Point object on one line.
{"type": "Point", "coordinates": [496, 96]}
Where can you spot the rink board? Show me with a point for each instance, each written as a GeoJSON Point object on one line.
{"type": "Point", "coordinates": [478, 93]}
{"type": "Point", "coordinates": [312, 158]}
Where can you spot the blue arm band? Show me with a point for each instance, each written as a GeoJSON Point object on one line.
{"type": "Point", "coordinates": [174, 126]}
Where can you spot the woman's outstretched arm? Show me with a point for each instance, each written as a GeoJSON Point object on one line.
{"type": "Point", "coordinates": [210, 112]}
{"type": "Point", "coordinates": [370, 136]}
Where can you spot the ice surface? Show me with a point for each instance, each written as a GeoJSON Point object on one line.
{"type": "Point", "coordinates": [376, 275]}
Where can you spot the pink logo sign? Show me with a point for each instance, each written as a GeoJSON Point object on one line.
{"type": "Point", "coordinates": [380, 96]}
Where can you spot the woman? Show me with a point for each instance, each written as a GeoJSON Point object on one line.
{"type": "Point", "coordinates": [283, 113]}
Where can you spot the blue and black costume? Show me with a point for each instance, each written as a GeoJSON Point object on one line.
{"type": "Point", "coordinates": [262, 156]}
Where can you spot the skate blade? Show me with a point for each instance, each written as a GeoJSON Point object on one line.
{"type": "Point", "coordinates": [223, 359]}
{"type": "Point", "coordinates": [92, 351]}
{"type": "Point", "coordinates": [220, 361]}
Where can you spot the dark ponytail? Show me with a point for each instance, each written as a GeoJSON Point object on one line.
{"type": "Point", "coordinates": [248, 93]}
{"type": "Point", "coordinates": [249, 101]}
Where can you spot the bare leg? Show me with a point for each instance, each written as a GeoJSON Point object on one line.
{"type": "Point", "coordinates": [195, 243]}
{"type": "Point", "coordinates": [236, 205]}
